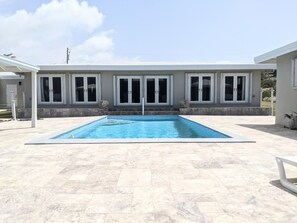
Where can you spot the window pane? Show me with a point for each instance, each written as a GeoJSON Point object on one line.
{"type": "Point", "coordinates": [57, 89]}
{"type": "Point", "coordinates": [163, 90]}
{"type": "Point", "coordinates": [150, 90]}
{"type": "Point", "coordinates": [135, 91]}
{"type": "Point", "coordinates": [241, 87]}
{"type": "Point", "coordinates": [206, 88]}
{"type": "Point", "coordinates": [229, 88]}
{"type": "Point", "coordinates": [79, 89]}
{"type": "Point", "coordinates": [194, 88]}
{"type": "Point", "coordinates": [92, 95]}
{"type": "Point", "coordinates": [124, 91]}
{"type": "Point", "coordinates": [44, 89]}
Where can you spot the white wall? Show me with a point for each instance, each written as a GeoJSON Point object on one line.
{"type": "Point", "coordinates": [286, 96]}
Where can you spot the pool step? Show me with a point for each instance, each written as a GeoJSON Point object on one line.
{"type": "Point", "coordinates": [145, 112]}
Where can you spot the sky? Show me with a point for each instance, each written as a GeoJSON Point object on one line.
{"type": "Point", "coordinates": [135, 31]}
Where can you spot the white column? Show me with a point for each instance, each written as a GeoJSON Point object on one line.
{"type": "Point", "coordinates": [34, 100]}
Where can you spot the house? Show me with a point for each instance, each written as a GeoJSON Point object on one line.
{"type": "Point", "coordinates": [10, 87]}
{"type": "Point", "coordinates": [286, 85]}
{"type": "Point", "coordinates": [76, 90]}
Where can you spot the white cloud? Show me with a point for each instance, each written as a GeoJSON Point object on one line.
{"type": "Point", "coordinates": [44, 35]}
{"type": "Point", "coordinates": [93, 50]}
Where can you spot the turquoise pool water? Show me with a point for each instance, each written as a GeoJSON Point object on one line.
{"type": "Point", "coordinates": [141, 127]}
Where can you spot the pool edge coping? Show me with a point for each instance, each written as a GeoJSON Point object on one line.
{"type": "Point", "coordinates": [48, 139]}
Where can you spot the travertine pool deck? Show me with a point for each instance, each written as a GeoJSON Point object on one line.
{"type": "Point", "coordinates": [157, 182]}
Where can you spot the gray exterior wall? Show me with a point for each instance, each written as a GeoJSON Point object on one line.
{"type": "Point", "coordinates": [286, 96]}
{"type": "Point", "coordinates": [20, 90]}
{"type": "Point", "coordinates": [107, 87]}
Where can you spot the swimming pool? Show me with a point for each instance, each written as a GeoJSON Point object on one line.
{"type": "Point", "coordinates": [138, 127]}
{"type": "Point", "coordinates": [141, 129]}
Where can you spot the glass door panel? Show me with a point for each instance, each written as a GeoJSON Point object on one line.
{"type": "Point", "coordinates": [150, 90]}
{"type": "Point", "coordinates": [229, 88]}
{"type": "Point", "coordinates": [135, 90]}
{"type": "Point", "coordinates": [57, 89]}
{"type": "Point", "coordinates": [206, 88]}
{"type": "Point", "coordinates": [241, 88]}
{"type": "Point", "coordinates": [79, 89]}
{"type": "Point", "coordinates": [124, 90]}
{"type": "Point", "coordinates": [162, 90]}
{"type": "Point", "coordinates": [92, 93]}
{"type": "Point", "coordinates": [44, 89]}
{"type": "Point", "coordinates": [194, 88]}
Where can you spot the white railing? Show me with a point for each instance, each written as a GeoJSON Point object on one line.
{"type": "Point", "coordinates": [13, 110]}
{"type": "Point", "coordinates": [271, 100]}
{"type": "Point", "coordinates": [142, 106]}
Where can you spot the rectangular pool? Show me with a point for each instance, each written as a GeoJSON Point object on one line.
{"type": "Point", "coordinates": [141, 127]}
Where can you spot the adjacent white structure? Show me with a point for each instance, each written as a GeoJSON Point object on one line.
{"type": "Point", "coordinates": [10, 65]}
{"type": "Point", "coordinates": [286, 85]}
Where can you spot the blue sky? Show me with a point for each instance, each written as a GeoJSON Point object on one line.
{"type": "Point", "coordinates": [213, 31]}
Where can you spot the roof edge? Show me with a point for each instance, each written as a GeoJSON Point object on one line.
{"type": "Point", "coordinates": [270, 57]}
{"type": "Point", "coordinates": [160, 67]}
{"type": "Point", "coordinates": [17, 63]}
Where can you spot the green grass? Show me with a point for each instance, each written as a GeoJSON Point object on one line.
{"type": "Point", "coordinates": [266, 104]}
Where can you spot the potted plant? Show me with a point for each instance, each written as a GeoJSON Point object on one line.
{"type": "Point", "coordinates": [292, 120]}
{"type": "Point", "coordinates": [103, 104]}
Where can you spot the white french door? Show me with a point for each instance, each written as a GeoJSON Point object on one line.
{"type": "Point", "coordinates": [85, 88]}
{"type": "Point", "coordinates": [157, 90]}
{"type": "Point", "coordinates": [235, 88]}
{"type": "Point", "coordinates": [51, 89]}
{"type": "Point", "coordinates": [129, 90]}
{"type": "Point", "coordinates": [201, 88]}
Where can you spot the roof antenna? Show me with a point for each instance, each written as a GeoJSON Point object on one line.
{"type": "Point", "coordinates": [67, 55]}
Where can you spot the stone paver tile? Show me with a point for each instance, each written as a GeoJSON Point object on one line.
{"type": "Point", "coordinates": [130, 217]}
{"type": "Point", "coordinates": [178, 212]}
{"type": "Point", "coordinates": [211, 217]}
{"type": "Point", "coordinates": [110, 203]}
{"type": "Point", "coordinates": [200, 197]}
{"type": "Point", "coordinates": [134, 178]}
{"type": "Point", "coordinates": [145, 198]}
{"type": "Point", "coordinates": [95, 218]}
{"type": "Point", "coordinates": [78, 177]}
{"type": "Point", "coordinates": [210, 207]}
{"type": "Point", "coordinates": [197, 186]}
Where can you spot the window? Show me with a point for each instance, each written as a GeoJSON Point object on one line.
{"type": "Point", "coordinates": [201, 88]}
{"type": "Point", "coordinates": [85, 88]}
{"type": "Point", "coordinates": [51, 89]}
{"type": "Point", "coordinates": [234, 88]}
{"type": "Point", "coordinates": [294, 73]}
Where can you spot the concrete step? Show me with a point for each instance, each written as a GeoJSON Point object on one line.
{"type": "Point", "coordinates": [145, 112]}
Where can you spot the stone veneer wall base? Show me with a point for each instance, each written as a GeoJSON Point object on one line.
{"type": "Point", "coordinates": [79, 112]}
{"type": "Point", "coordinates": [226, 111]}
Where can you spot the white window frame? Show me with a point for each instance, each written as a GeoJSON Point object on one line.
{"type": "Point", "coordinates": [234, 75]}
{"type": "Point", "coordinates": [294, 73]}
{"type": "Point", "coordinates": [129, 89]}
{"type": "Point", "coordinates": [169, 92]}
{"type": "Point", "coordinates": [50, 78]}
{"type": "Point", "coordinates": [200, 92]}
{"type": "Point", "coordinates": [85, 77]}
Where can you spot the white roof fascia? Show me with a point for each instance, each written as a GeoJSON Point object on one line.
{"type": "Point", "coordinates": [270, 57]}
{"type": "Point", "coordinates": [19, 65]}
{"type": "Point", "coordinates": [10, 76]}
{"type": "Point", "coordinates": [144, 67]}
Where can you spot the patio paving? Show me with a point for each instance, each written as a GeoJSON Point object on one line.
{"type": "Point", "coordinates": [156, 182]}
